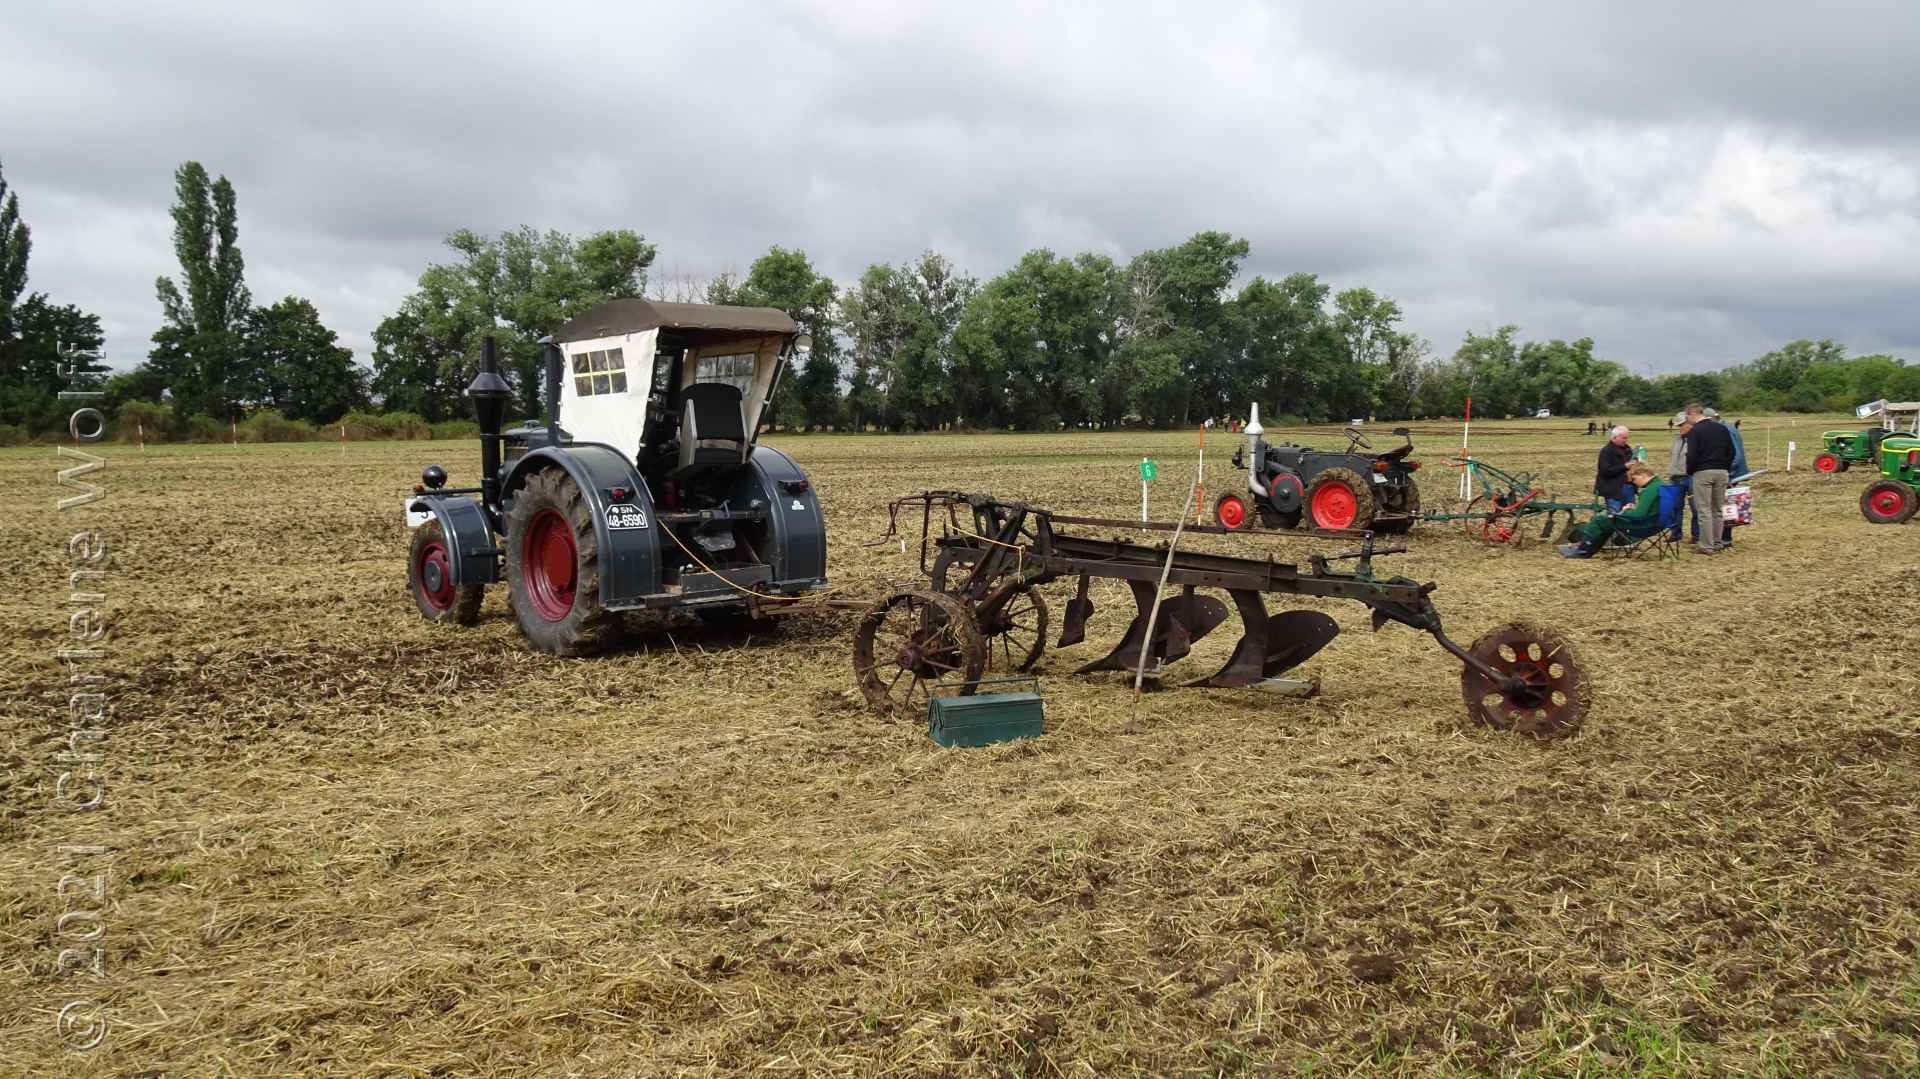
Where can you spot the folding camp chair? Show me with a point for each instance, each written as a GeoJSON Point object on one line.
{"type": "Point", "coordinates": [1657, 543]}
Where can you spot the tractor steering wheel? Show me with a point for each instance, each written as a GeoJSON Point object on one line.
{"type": "Point", "coordinates": [1355, 438]}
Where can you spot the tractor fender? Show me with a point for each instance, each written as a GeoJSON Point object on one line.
{"type": "Point", "coordinates": [471, 553]}
{"type": "Point", "coordinates": [796, 527]}
{"type": "Point", "coordinates": [629, 547]}
{"type": "Point", "coordinates": [1285, 491]}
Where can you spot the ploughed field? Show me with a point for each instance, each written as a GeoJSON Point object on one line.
{"type": "Point", "coordinates": [339, 840]}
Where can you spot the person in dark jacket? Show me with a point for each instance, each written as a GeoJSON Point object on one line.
{"type": "Point", "coordinates": [1710, 453]}
{"type": "Point", "coordinates": [1610, 478]}
{"type": "Point", "coordinates": [1639, 520]}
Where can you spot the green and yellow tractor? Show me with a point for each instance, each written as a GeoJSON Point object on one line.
{"type": "Point", "coordinates": [1892, 499]}
{"type": "Point", "coordinates": [1844, 449]}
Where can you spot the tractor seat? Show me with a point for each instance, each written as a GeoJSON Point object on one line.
{"type": "Point", "coordinates": [713, 431]}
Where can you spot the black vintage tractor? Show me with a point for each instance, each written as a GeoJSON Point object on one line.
{"type": "Point", "coordinates": [656, 496]}
{"type": "Point", "coordinates": [1289, 484]}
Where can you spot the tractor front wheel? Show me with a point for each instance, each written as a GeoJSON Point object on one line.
{"type": "Point", "coordinates": [1339, 498]}
{"type": "Point", "coordinates": [553, 567]}
{"type": "Point", "coordinates": [430, 579]}
{"type": "Point", "coordinates": [1888, 502]}
{"type": "Point", "coordinates": [1231, 511]}
{"type": "Point", "coordinates": [1828, 464]}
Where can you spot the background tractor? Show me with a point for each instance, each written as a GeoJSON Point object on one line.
{"type": "Point", "coordinates": [1288, 484]}
{"type": "Point", "coordinates": [654, 496]}
{"type": "Point", "coordinates": [1844, 449]}
{"type": "Point", "coordinates": [1893, 498]}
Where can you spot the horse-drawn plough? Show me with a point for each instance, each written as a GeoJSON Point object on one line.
{"type": "Point", "coordinates": [984, 605]}
{"type": "Point", "coordinates": [1502, 504]}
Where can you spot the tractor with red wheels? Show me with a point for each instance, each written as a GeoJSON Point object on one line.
{"type": "Point", "coordinates": [1842, 450]}
{"type": "Point", "coordinates": [1894, 498]}
{"type": "Point", "coordinates": [654, 496]}
{"type": "Point", "coordinates": [1288, 485]}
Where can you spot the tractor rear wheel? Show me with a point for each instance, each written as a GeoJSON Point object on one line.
{"type": "Point", "coordinates": [1888, 502]}
{"type": "Point", "coordinates": [553, 567]}
{"type": "Point", "coordinates": [1339, 498]}
{"type": "Point", "coordinates": [1231, 511]}
{"type": "Point", "coordinates": [1827, 464]}
{"type": "Point", "coordinates": [430, 579]}
{"type": "Point", "coordinates": [911, 643]}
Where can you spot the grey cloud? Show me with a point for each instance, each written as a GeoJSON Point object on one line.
{"type": "Point", "coordinates": [1689, 185]}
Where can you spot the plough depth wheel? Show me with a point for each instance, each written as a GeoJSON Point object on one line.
{"type": "Point", "coordinates": [911, 643]}
{"type": "Point", "coordinates": [1552, 696]}
{"type": "Point", "coordinates": [1491, 523]}
{"type": "Point", "coordinates": [1013, 623]}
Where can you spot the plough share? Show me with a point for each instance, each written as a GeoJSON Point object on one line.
{"type": "Point", "coordinates": [984, 607]}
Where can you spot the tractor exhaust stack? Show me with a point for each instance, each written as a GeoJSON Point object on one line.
{"type": "Point", "coordinates": [553, 361]}
{"type": "Point", "coordinates": [489, 394]}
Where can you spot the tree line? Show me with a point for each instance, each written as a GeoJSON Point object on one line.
{"type": "Point", "coordinates": [1161, 339]}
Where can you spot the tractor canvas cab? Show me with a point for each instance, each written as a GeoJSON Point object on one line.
{"type": "Point", "coordinates": [645, 488]}
{"type": "Point", "coordinates": [1844, 449]}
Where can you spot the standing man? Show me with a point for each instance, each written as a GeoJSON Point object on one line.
{"type": "Point", "coordinates": [1709, 456]}
{"type": "Point", "coordinates": [1610, 478]}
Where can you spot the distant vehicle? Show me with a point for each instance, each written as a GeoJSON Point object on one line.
{"type": "Point", "coordinates": [1543, 414]}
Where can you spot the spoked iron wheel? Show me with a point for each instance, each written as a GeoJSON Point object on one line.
{"type": "Point", "coordinates": [911, 644]}
{"type": "Point", "coordinates": [430, 579]}
{"type": "Point", "coordinates": [1493, 524]}
{"type": "Point", "coordinates": [1551, 697]}
{"type": "Point", "coordinates": [1013, 622]}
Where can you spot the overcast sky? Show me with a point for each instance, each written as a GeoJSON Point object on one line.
{"type": "Point", "coordinates": [1688, 183]}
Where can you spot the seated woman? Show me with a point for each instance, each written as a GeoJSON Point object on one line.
{"type": "Point", "coordinates": [1640, 520]}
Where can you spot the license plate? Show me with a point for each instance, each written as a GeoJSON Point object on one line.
{"type": "Point", "coordinates": [415, 518]}
{"type": "Point", "coordinates": [621, 515]}
{"type": "Point", "coordinates": [1378, 478]}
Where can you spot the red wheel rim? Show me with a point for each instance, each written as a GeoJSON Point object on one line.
{"type": "Point", "coordinates": [1334, 506]}
{"type": "Point", "coordinates": [1826, 462]}
{"type": "Point", "coordinates": [1232, 512]}
{"type": "Point", "coordinates": [434, 554]}
{"type": "Point", "coordinates": [1886, 503]}
{"type": "Point", "coordinates": [548, 559]}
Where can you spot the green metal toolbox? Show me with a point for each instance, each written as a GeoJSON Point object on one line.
{"type": "Point", "coordinates": [982, 719]}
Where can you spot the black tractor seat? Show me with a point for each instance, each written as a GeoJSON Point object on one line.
{"type": "Point", "coordinates": [713, 432]}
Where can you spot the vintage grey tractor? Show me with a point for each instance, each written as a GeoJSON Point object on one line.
{"type": "Point", "coordinates": [645, 489]}
{"type": "Point", "coordinates": [1288, 484]}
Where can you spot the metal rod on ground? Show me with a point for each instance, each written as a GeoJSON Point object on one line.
{"type": "Point", "coordinates": [1153, 616]}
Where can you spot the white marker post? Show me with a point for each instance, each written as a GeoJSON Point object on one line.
{"type": "Point", "coordinates": [1791, 446]}
{"type": "Point", "coordinates": [1148, 472]}
{"type": "Point", "coordinates": [1465, 427]}
{"type": "Point", "coordinates": [1200, 479]}
{"type": "Point", "coordinates": [141, 430]}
